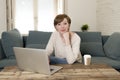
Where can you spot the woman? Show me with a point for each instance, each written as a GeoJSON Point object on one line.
{"type": "Point", "coordinates": [64, 43]}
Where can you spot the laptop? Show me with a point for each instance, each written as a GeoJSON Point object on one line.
{"type": "Point", "coordinates": [35, 60]}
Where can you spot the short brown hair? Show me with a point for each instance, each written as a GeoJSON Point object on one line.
{"type": "Point", "coordinates": [59, 18]}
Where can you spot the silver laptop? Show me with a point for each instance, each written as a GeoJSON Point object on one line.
{"type": "Point", "coordinates": [35, 60]}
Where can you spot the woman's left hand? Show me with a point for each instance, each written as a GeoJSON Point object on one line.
{"type": "Point", "coordinates": [67, 38]}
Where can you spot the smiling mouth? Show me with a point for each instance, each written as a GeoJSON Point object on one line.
{"type": "Point", "coordinates": [62, 30]}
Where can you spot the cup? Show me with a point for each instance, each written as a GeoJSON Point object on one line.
{"type": "Point", "coordinates": [87, 59]}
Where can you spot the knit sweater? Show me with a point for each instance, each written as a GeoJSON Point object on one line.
{"type": "Point", "coordinates": [70, 52]}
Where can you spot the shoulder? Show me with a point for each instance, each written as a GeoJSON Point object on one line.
{"type": "Point", "coordinates": [54, 33]}
{"type": "Point", "coordinates": [74, 35]}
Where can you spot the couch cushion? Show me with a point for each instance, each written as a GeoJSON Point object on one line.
{"type": "Point", "coordinates": [7, 62]}
{"type": "Point", "coordinates": [37, 39]}
{"type": "Point", "coordinates": [37, 46]}
{"type": "Point", "coordinates": [9, 40]}
{"type": "Point", "coordinates": [93, 48]}
{"type": "Point", "coordinates": [112, 46]}
{"type": "Point", "coordinates": [106, 60]}
{"type": "Point", "coordinates": [91, 43]}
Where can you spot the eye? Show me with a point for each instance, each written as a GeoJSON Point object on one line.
{"type": "Point", "coordinates": [58, 24]}
{"type": "Point", "coordinates": [65, 23]}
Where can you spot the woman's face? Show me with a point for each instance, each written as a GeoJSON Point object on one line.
{"type": "Point", "coordinates": [63, 26]}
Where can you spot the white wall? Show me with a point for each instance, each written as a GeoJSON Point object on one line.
{"type": "Point", "coordinates": [100, 15]}
{"type": "Point", "coordinates": [2, 16]}
{"type": "Point", "coordinates": [108, 16]}
{"type": "Point", "coordinates": [81, 12]}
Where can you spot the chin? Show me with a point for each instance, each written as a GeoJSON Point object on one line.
{"type": "Point", "coordinates": [62, 32]}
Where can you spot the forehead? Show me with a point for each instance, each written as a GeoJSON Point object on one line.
{"type": "Point", "coordinates": [64, 20]}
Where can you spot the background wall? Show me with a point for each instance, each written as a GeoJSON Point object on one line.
{"type": "Point", "coordinates": [2, 16]}
{"type": "Point", "coordinates": [108, 16]}
{"type": "Point", "coordinates": [81, 12]}
{"type": "Point", "coordinates": [100, 15]}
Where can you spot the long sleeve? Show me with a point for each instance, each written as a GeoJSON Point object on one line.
{"type": "Point", "coordinates": [73, 51]}
{"type": "Point", "coordinates": [50, 45]}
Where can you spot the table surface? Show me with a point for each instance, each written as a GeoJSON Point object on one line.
{"type": "Point", "coordinates": [69, 72]}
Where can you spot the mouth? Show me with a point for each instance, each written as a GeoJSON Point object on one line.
{"type": "Point", "coordinates": [62, 30]}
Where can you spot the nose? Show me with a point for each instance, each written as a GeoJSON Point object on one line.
{"type": "Point", "coordinates": [62, 26]}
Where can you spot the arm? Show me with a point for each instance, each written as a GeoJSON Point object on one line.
{"type": "Point", "coordinates": [72, 49]}
{"type": "Point", "coordinates": [50, 45]}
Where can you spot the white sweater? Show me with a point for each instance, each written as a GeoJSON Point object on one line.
{"type": "Point", "coordinates": [70, 52]}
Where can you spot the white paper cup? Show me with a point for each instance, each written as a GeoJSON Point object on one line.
{"type": "Point", "coordinates": [87, 59]}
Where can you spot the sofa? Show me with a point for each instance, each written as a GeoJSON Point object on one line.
{"type": "Point", "coordinates": [104, 49]}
